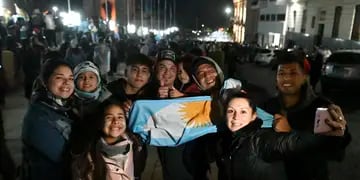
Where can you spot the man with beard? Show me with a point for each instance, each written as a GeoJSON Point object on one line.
{"type": "Point", "coordinates": [298, 103]}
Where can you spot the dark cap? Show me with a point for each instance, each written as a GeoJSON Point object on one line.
{"type": "Point", "coordinates": [296, 56]}
{"type": "Point", "coordinates": [167, 55]}
{"type": "Point", "coordinates": [139, 59]}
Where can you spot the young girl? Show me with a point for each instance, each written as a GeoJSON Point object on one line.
{"type": "Point", "coordinates": [109, 155]}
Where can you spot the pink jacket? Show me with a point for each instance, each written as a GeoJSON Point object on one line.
{"type": "Point", "coordinates": [115, 172]}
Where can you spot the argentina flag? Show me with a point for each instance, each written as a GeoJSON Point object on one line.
{"type": "Point", "coordinates": [171, 122]}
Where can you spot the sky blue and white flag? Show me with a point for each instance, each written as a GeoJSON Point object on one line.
{"type": "Point", "coordinates": [171, 122]}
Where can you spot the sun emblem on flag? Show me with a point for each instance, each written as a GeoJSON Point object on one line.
{"type": "Point", "coordinates": [196, 114]}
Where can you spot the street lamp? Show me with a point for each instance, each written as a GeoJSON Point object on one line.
{"type": "Point", "coordinates": [131, 28]}
{"type": "Point", "coordinates": [228, 10]}
{"type": "Point", "coordinates": [55, 9]}
{"type": "Point", "coordinates": [69, 6]}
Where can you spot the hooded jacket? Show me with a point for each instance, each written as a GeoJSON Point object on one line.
{"type": "Point", "coordinates": [301, 118]}
{"type": "Point", "coordinates": [207, 60]}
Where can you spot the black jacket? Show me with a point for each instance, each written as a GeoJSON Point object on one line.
{"type": "Point", "coordinates": [117, 89]}
{"type": "Point", "coordinates": [255, 153]}
{"type": "Point", "coordinates": [301, 118]}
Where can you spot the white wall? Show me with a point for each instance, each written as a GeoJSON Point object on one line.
{"type": "Point", "coordinates": [297, 21]}
{"type": "Point", "coordinates": [272, 26]}
{"type": "Point", "coordinates": [266, 27]}
{"type": "Point", "coordinates": [282, 7]}
{"type": "Point", "coordinates": [346, 21]}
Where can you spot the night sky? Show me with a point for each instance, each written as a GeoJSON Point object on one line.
{"type": "Point", "coordinates": [209, 12]}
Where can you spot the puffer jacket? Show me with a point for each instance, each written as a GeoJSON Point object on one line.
{"type": "Point", "coordinates": [301, 118]}
{"type": "Point", "coordinates": [253, 153]}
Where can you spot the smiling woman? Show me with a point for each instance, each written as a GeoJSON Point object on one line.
{"type": "Point", "coordinates": [46, 127]}
{"type": "Point", "coordinates": [253, 149]}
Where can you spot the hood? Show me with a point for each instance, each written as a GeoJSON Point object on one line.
{"type": "Point", "coordinates": [206, 60]}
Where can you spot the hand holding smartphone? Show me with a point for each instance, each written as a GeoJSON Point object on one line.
{"type": "Point", "coordinates": [320, 125]}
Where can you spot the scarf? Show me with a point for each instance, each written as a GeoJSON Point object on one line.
{"type": "Point", "coordinates": [111, 150]}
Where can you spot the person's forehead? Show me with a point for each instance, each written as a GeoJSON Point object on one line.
{"type": "Point", "coordinates": [205, 66]}
{"type": "Point", "coordinates": [113, 108]}
{"type": "Point", "coordinates": [62, 70]}
{"type": "Point", "coordinates": [239, 102]}
{"type": "Point", "coordinates": [139, 66]}
{"type": "Point", "coordinates": [88, 73]}
{"type": "Point", "coordinates": [289, 66]}
{"type": "Point", "coordinates": [167, 63]}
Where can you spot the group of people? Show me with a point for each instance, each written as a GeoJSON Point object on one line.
{"type": "Point", "coordinates": [76, 126]}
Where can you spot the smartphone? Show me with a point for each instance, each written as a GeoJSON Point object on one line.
{"type": "Point", "coordinates": [320, 125]}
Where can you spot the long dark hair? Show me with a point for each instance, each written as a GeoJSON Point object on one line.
{"type": "Point", "coordinates": [90, 158]}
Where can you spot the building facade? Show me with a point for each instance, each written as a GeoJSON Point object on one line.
{"type": "Point", "coordinates": [276, 18]}
{"type": "Point", "coordinates": [334, 24]}
{"type": "Point", "coordinates": [245, 21]}
{"type": "Point", "coordinates": [331, 23]}
{"type": "Point", "coordinates": [239, 20]}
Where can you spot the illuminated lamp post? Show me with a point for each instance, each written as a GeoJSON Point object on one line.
{"type": "Point", "coordinates": [69, 6]}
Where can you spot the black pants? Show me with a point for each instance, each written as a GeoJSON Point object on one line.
{"type": "Point", "coordinates": [51, 37]}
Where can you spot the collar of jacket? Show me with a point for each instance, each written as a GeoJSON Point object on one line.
{"type": "Point", "coordinates": [243, 134]}
{"type": "Point", "coordinates": [247, 130]}
{"type": "Point", "coordinates": [48, 99]}
{"type": "Point", "coordinates": [122, 146]}
{"type": "Point", "coordinates": [104, 93]}
{"type": "Point", "coordinates": [307, 96]}
{"type": "Point", "coordinates": [141, 91]}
